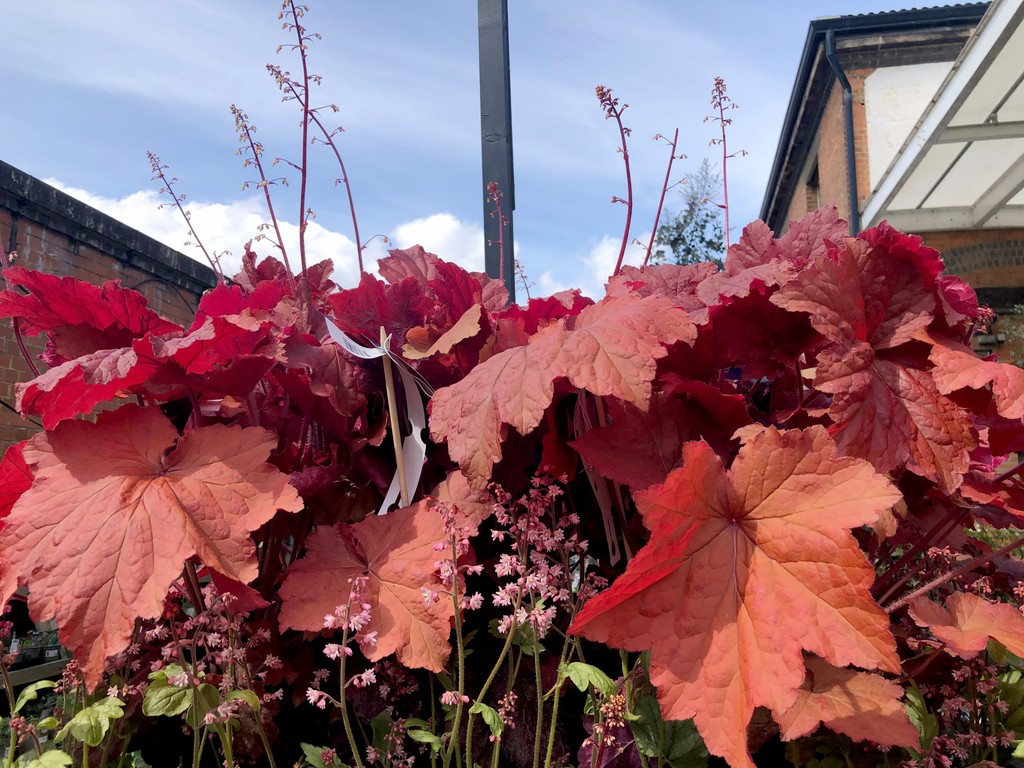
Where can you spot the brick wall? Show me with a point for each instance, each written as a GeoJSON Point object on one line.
{"type": "Point", "coordinates": [833, 183]}
{"type": "Point", "coordinates": [51, 232]}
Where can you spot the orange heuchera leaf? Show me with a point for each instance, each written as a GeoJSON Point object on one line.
{"type": "Point", "coordinates": [957, 367]}
{"type": "Point", "coordinates": [968, 621]}
{"type": "Point", "coordinates": [610, 348]}
{"type": "Point", "coordinates": [745, 569]}
{"type": "Point", "coordinates": [119, 506]}
{"type": "Point", "coordinates": [863, 706]}
{"type": "Point", "coordinates": [396, 551]}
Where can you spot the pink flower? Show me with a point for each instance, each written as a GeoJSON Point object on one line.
{"type": "Point", "coordinates": [316, 698]}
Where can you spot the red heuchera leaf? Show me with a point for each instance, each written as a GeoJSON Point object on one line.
{"type": "Point", "coordinates": [612, 349]}
{"type": "Point", "coordinates": [77, 386]}
{"type": "Point", "coordinates": [868, 302]}
{"type": "Point", "coordinates": [968, 621]}
{"type": "Point", "coordinates": [79, 317]}
{"type": "Point", "coordinates": [396, 551]}
{"type": "Point", "coordinates": [15, 478]}
{"type": "Point", "coordinates": [754, 334]}
{"type": "Point", "coordinates": [119, 506]}
{"type": "Point", "coordinates": [804, 240]}
{"type": "Point", "coordinates": [362, 310]}
{"type": "Point", "coordinates": [732, 552]}
{"type": "Point", "coordinates": [672, 281]}
{"type": "Point", "coordinates": [655, 437]}
{"type": "Point", "coordinates": [863, 706]}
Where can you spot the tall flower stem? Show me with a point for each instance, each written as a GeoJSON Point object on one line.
{"type": "Point", "coordinates": [664, 189]}
{"type": "Point", "coordinates": [613, 111]}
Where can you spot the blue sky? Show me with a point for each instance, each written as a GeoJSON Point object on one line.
{"type": "Point", "coordinates": [89, 87]}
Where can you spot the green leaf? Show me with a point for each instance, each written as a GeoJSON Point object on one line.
{"type": "Point", "coordinates": [31, 693]}
{"type": "Point", "coordinates": [91, 723]}
{"type": "Point", "coordinates": [490, 716]}
{"type": "Point", "coordinates": [312, 755]}
{"type": "Point", "coordinates": [425, 737]}
{"type": "Point", "coordinates": [162, 698]}
{"type": "Point", "coordinates": [925, 722]}
{"type": "Point", "coordinates": [677, 742]}
{"type": "Point", "coordinates": [249, 697]}
{"type": "Point", "coordinates": [207, 699]}
{"type": "Point", "coordinates": [381, 724]}
{"type": "Point", "coordinates": [47, 723]}
{"type": "Point", "coordinates": [584, 676]}
{"type": "Point", "coordinates": [52, 759]}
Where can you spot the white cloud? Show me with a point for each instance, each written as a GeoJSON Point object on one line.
{"type": "Point", "coordinates": [224, 228]}
{"type": "Point", "coordinates": [450, 238]}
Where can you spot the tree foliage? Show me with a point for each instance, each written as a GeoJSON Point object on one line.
{"type": "Point", "coordinates": [695, 233]}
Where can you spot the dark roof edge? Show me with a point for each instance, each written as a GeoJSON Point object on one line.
{"type": "Point", "coordinates": [860, 24]}
{"type": "Point", "coordinates": [29, 198]}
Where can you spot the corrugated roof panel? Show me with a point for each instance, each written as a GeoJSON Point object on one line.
{"type": "Point", "coordinates": [992, 88]}
{"type": "Point", "coordinates": [927, 173]}
{"type": "Point", "coordinates": [978, 168]}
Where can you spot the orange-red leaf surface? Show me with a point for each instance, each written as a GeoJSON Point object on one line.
{"type": "Point", "coordinates": [745, 569]}
{"type": "Point", "coordinates": [15, 478]}
{"type": "Point", "coordinates": [870, 298]}
{"type": "Point", "coordinates": [610, 348]}
{"type": "Point", "coordinates": [865, 707]}
{"type": "Point", "coordinates": [117, 508]}
{"type": "Point", "coordinates": [968, 621]}
{"type": "Point", "coordinates": [396, 551]}
{"type": "Point", "coordinates": [957, 367]}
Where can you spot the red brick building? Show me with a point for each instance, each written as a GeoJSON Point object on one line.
{"type": "Point", "coordinates": [52, 232]}
{"type": "Point", "coordinates": [918, 115]}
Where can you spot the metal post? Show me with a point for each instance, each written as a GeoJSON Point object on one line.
{"type": "Point", "coordinates": [496, 135]}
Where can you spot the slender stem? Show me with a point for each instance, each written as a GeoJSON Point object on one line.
{"type": "Point", "coordinates": [329, 140]}
{"type": "Point", "coordinates": [1009, 473]}
{"type": "Point", "coordinates": [661, 200]}
{"type": "Point", "coordinates": [158, 173]}
{"type": "Point", "coordinates": [947, 577]}
{"type": "Point", "coordinates": [725, 175]}
{"type": "Point", "coordinates": [193, 584]}
{"type": "Point", "coordinates": [490, 679]}
{"type": "Point", "coordinates": [9, 688]}
{"type": "Point", "coordinates": [612, 110]}
{"type": "Point", "coordinates": [937, 532]}
{"type": "Point", "coordinates": [539, 682]}
{"type": "Point", "coordinates": [242, 124]}
{"type": "Point", "coordinates": [21, 345]}
{"type": "Point", "coordinates": [460, 647]}
{"type": "Point", "coordinates": [396, 437]}
{"type": "Point", "coordinates": [343, 703]}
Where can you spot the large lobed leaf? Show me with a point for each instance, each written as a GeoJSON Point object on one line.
{"type": "Point", "coordinates": [397, 553]}
{"type": "Point", "coordinates": [116, 509]}
{"type": "Point", "coordinates": [872, 298]}
{"type": "Point", "coordinates": [611, 348]}
{"type": "Point", "coordinates": [78, 317]}
{"type": "Point", "coordinates": [745, 569]}
{"type": "Point", "coordinates": [968, 621]}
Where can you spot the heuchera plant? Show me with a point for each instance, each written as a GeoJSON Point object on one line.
{"type": "Point", "coordinates": [710, 512]}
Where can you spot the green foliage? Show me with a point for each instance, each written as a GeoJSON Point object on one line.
{"type": "Point", "coordinates": [674, 743]}
{"type": "Point", "coordinates": [695, 233]}
{"type": "Point", "coordinates": [91, 723]}
{"type": "Point", "coordinates": [585, 676]}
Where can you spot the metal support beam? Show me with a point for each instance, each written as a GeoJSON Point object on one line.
{"type": "Point", "coordinates": [983, 132]}
{"type": "Point", "coordinates": [1000, 193]}
{"type": "Point", "coordinates": [496, 143]}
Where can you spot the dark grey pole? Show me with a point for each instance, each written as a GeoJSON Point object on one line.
{"type": "Point", "coordinates": [496, 135]}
